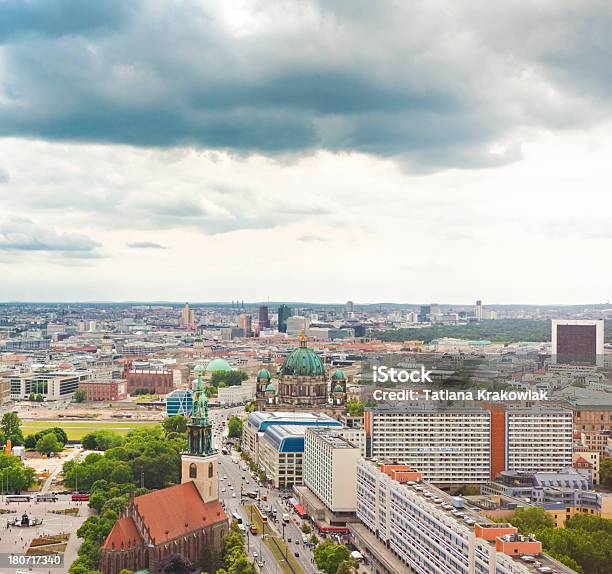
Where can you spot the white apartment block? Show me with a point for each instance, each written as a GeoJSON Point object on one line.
{"type": "Point", "coordinates": [538, 439]}
{"type": "Point", "coordinates": [330, 466]}
{"type": "Point", "coordinates": [447, 445]}
{"type": "Point", "coordinates": [418, 524]}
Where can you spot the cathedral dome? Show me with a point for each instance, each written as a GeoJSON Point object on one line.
{"type": "Point", "coordinates": [302, 362]}
{"type": "Point", "coordinates": [264, 374]}
{"type": "Point", "coordinates": [338, 389]}
{"type": "Point", "coordinates": [338, 375]}
{"type": "Point", "coordinates": [218, 364]}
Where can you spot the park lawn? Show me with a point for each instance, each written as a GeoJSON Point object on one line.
{"type": "Point", "coordinates": [76, 430]}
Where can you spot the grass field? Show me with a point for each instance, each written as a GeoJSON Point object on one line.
{"type": "Point", "coordinates": [77, 429]}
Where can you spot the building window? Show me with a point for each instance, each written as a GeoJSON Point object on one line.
{"type": "Point", "coordinates": [193, 470]}
{"type": "Point", "coordinates": [210, 470]}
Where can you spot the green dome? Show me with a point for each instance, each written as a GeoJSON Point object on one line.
{"type": "Point", "coordinates": [338, 389]}
{"type": "Point", "coordinates": [199, 369]}
{"type": "Point", "coordinates": [271, 388]}
{"type": "Point", "coordinates": [338, 375]}
{"type": "Point", "coordinates": [264, 374]}
{"type": "Point", "coordinates": [218, 365]}
{"type": "Point", "coordinates": [302, 362]}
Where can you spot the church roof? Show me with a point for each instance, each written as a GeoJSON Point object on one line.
{"type": "Point", "coordinates": [123, 535]}
{"type": "Point", "coordinates": [169, 513]}
{"type": "Point", "coordinates": [303, 362]}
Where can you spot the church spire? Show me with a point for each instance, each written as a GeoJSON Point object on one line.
{"type": "Point", "coordinates": [200, 427]}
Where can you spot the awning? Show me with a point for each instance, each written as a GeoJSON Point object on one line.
{"type": "Point", "coordinates": [300, 509]}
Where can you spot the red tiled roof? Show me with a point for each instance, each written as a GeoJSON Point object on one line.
{"type": "Point", "coordinates": [174, 511]}
{"type": "Point", "coordinates": [123, 535]}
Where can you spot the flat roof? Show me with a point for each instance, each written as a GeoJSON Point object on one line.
{"type": "Point", "coordinates": [331, 437]}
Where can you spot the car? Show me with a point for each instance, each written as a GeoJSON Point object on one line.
{"type": "Point", "coordinates": [223, 490]}
{"type": "Point", "coordinates": [296, 554]}
{"type": "Point", "coordinates": [289, 540]}
{"type": "Point", "coordinates": [233, 495]}
{"type": "Point", "coordinates": [255, 554]}
{"type": "Point", "coordinates": [260, 563]}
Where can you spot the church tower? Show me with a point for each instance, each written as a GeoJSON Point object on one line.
{"type": "Point", "coordinates": [200, 463]}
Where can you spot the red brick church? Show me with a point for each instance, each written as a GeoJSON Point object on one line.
{"type": "Point", "coordinates": [185, 519]}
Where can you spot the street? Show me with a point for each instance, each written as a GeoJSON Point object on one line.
{"type": "Point", "coordinates": [237, 478]}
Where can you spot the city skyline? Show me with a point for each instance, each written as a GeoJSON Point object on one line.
{"type": "Point", "coordinates": [133, 169]}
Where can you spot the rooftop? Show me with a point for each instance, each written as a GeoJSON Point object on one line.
{"type": "Point", "coordinates": [330, 437]}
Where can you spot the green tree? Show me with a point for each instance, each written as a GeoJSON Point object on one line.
{"type": "Point", "coordinates": [11, 427]}
{"type": "Point", "coordinates": [355, 408]}
{"type": "Point", "coordinates": [227, 378]}
{"type": "Point", "coordinates": [177, 424]}
{"type": "Point", "coordinates": [234, 427]}
{"type": "Point", "coordinates": [531, 520]}
{"type": "Point", "coordinates": [48, 444]}
{"type": "Point", "coordinates": [605, 472]}
{"type": "Point", "coordinates": [250, 408]}
{"type": "Point", "coordinates": [14, 476]}
{"type": "Point", "coordinates": [328, 556]}
{"type": "Point", "coordinates": [101, 440]}
{"type": "Point", "coordinates": [79, 396]}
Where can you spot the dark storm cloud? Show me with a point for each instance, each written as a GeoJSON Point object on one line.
{"type": "Point", "coordinates": [20, 19]}
{"type": "Point", "coordinates": [433, 88]}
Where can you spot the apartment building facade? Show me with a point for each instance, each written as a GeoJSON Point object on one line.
{"type": "Point", "coordinates": [469, 444]}
{"type": "Point", "coordinates": [418, 525]}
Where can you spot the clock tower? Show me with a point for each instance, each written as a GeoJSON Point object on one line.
{"type": "Point", "coordinates": [200, 462]}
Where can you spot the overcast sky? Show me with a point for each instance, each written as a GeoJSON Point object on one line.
{"type": "Point", "coordinates": [313, 150]}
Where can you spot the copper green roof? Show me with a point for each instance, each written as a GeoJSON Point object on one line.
{"type": "Point", "coordinates": [264, 374]}
{"type": "Point", "coordinates": [302, 362]}
{"type": "Point", "coordinates": [271, 388]}
{"type": "Point", "coordinates": [218, 364]}
{"type": "Point", "coordinates": [338, 389]}
{"type": "Point", "coordinates": [338, 375]}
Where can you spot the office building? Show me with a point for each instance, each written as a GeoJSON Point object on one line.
{"type": "Point", "coordinates": [104, 389]}
{"type": "Point", "coordinates": [259, 423]}
{"type": "Point", "coordinates": [188, 320]}
{"type": "Point", "coordinates": [577, 342]}
{"type": "Point", "coordinates": [330, 469]}
{"type": "Point", "coordinates": [53, 386]}
{"type": "Point", "coordinates": [179, 402]}
{"type": "Point", "coordinates": [284, 312]}
{"type": "Point", "coordinates": [264, 319]}
{"type": "Point", "coordinates": [409, 526]}
{"type": "Point", "coordinates": [592, 415]}
{"type": "Point", "coordinates": [237, 394]}
{"type": "Point", "coordinates": [296, 325]}
{"type": "Point", "coordinates": [245, 323]}
{"type": "Point", "coordinates": [478, 310]}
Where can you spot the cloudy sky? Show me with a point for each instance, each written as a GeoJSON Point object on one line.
{"type": "Point", "coordinates": [315, 150]}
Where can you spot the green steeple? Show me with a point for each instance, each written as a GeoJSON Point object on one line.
{"type": "Point", "coordinates": [200, 427]}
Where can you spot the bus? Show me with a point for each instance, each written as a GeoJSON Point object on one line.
{"type": "Point", "coordinates": [18, 498]}
{"type": "Point", "coordinates": [79, 497]}
{"type": "Point", "coordinates": [236, 518]}
{"type": "Point", "coordinates": [46, 498]}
